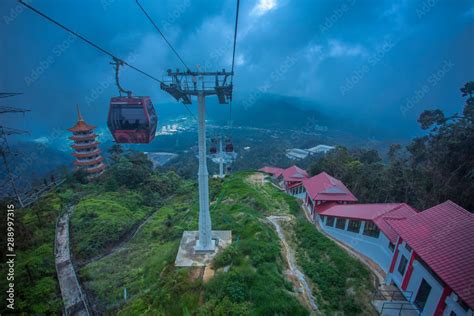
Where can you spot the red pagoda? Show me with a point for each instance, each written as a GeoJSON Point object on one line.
{"type": "Point", "coordinates": [86, 148]}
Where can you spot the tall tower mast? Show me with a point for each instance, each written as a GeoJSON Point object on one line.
{"type": "Point", "coordinates": [182, 86]}
{"type": "Point", "coordinates": [5, 148]}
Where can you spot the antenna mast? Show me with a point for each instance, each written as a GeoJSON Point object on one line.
{"type": "Point", "coordinates": [5, 148]}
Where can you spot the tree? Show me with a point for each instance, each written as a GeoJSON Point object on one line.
{"type": "Point", "coordinates": [115, 152]}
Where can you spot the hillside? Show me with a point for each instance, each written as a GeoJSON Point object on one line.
{"type": "Point", "coordinates": [126, 228]}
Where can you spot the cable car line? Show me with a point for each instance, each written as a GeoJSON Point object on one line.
{"type": "Point", "coordinates": [170, 46]}
{"type": "Point", "coordinates": [161, 33]}
{"type": "Point", "coordinates": [233, 62]}
{"type": "Point", "coordinates": [88, 41]}
{"type": "Point", "coordinates": [235, 37]}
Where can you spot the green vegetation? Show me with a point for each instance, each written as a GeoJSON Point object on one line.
{"type": "Point", "coordinates": [36, 288]}
{"type": "Point", "coordinates": [342, 283]}
{"type": "Point", "coordinates": [249, 275]}
{"type": "Point", "coordinates": [101, 221]}
{"type": "Point", "coordinates": [253, 284]}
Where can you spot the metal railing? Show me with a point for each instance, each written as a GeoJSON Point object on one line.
{"type": "Point", "coordinates": [392, 295]}
{"type": "Point", "coordinates": [400, 307]}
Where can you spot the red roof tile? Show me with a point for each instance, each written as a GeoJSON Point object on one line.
{"type": "Point", "coordinates": [378, 213]}
{"type": "Point", "coordinates": [443, 237]}
{"type": "Point", "coordinates": [272, 170]}
{"type": "Point", "coordinates": [323, 187]}
{"type": "Point", "coordinates": [294, 173]}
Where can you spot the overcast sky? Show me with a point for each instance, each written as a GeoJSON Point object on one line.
{"type": "Point", "coordinates": [378, 59]}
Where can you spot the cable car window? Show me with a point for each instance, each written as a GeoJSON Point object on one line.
{"type": "Point", "coordinates": [132, 116]}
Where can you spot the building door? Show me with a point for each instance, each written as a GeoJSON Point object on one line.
{"type": "Point", "coordinates": [422, 295]}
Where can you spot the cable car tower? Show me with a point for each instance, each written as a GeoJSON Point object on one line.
{"type": "Point", "coordinates": [5, 148]}
{"type": "Point", "coordinates": [220, 154]}
{"type": "Point", "coordinates": [183, 85]}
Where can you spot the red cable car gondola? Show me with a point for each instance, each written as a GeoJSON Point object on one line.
{"type": "Point", "coordinates": [213, 149]}
{"type": "Point", "coordinates": [131, 119]}
{"type": "Point", "coordinates": [229, 147]}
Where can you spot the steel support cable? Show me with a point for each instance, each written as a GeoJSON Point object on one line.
{"type": "Point", "coordinates": [88, 41]}
{"type": "Point", "coordinates": [233, 62]}
{"type": "Point", "coordinates": [161, 33]}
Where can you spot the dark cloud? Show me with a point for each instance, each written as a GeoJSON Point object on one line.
{"type": "Point", "coordinates": [369, 58]}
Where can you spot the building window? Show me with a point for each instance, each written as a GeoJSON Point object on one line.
{"type": "Point", "coordinates": [330, 221]}
{"type": "Point", "coordinates": [453, 314]}
{"type": "Point", "coordinates": [323, 218]}
{"type": "Point", "coordinates": [422, 295]}
{"type": "Point", "coordinates": [371, 230]}
{"type": "Point", "coordinates": [354, 226]}
{"type": "Point", "coordinates": [391, 246]}
{"type": "Point", "coordinates": [403, 265]}
{"type": "Point", "coordinates": [407, 247]}
{"type": "Point", "coordinates": [341, 223]}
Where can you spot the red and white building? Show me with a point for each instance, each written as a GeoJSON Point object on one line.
{"type": "Point", "coordinates": [273, 171]}
{"type": "Point", "coordinates": [86, 151]}
{"type": "Point", "coordinates": [289, 179]}
{"type": "Point", "coordinates": [433, 262]}
{"type": "Point", "coordinates": [428, 255]}
{"type": "Point", "coordinates": [322, 189]}
{"type": "Point", "coordinates": [364, 227]}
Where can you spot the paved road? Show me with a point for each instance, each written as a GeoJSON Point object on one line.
{"type": "Point", "coordinates": [73, 297]}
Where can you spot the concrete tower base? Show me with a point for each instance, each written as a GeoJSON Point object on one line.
{"type": "Point", "coordinates": [190, 256]}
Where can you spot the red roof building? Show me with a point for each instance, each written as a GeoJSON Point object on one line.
{"type": "Point", "coordinates": [439, 240]}
{"type": "Point", "coordinates": [274, 171]}
{"type": "Point", "coordinates": [86, 150]}
{"type": "Point", "coordinates": [377, 213]}
{"type": "Point", "coordinates": [322, 189]}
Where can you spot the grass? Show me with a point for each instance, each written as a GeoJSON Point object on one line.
{"type": "Point", "coordinates": [341, 283]}
{"type": "Point", "coordinates": [36, 287]}
{"type": "Point", "coordinates": [253, 284]}
{"type": "Point", "coordinates": [249, 277]}
{"type": "Point", "coordinates": [101, 221]}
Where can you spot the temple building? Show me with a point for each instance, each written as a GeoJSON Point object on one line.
{"type": "Point", "coordinates": [86, 150]}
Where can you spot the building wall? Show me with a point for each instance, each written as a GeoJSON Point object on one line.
{"type": "Point", "coordinates": [377, 249]}
{"type": "Point", "coordinates": [419, 273]}
{"type": "Point", "coordinates": [299, 192]}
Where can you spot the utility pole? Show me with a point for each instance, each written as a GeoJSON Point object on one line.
{"type": "Point", "coordinates": [5, 148]}
{"type": "Point", "coordinates": [182, 86]}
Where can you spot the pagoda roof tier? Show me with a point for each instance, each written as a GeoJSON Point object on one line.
{"type": "Point", "coordinates": [87, 154]}
{"type": "Point", "coordinates": [83, 137]}
{"type": "Point", "coordinates": [100, 168]}
{"type": "Point", "coordinates": [81, 125]}
{"type": "Point", "coordinates": [85, 146]}
{"type": "Point", "coordinates": [89, 162]}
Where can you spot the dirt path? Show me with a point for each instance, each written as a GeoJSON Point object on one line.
{"type": "Point", "coordinates": [75, 302]}
{"type": "Point", "coordinates": [257, 179]}
{"type": "Point", "coordinates": [293, 271]}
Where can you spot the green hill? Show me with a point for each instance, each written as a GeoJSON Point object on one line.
{"type": "Point", "coordinates": [126, 232]}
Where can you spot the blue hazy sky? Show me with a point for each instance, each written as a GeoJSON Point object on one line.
{"type": "Point", "coordinates": [376, 60]}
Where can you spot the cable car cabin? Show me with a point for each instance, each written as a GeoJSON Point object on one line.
{"type": "Point", "coordinates": [132, 120]}
{"type": "Point", "coordinates": [229, 147]}
{"type": "Point", "coordinates": [213, 149]}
